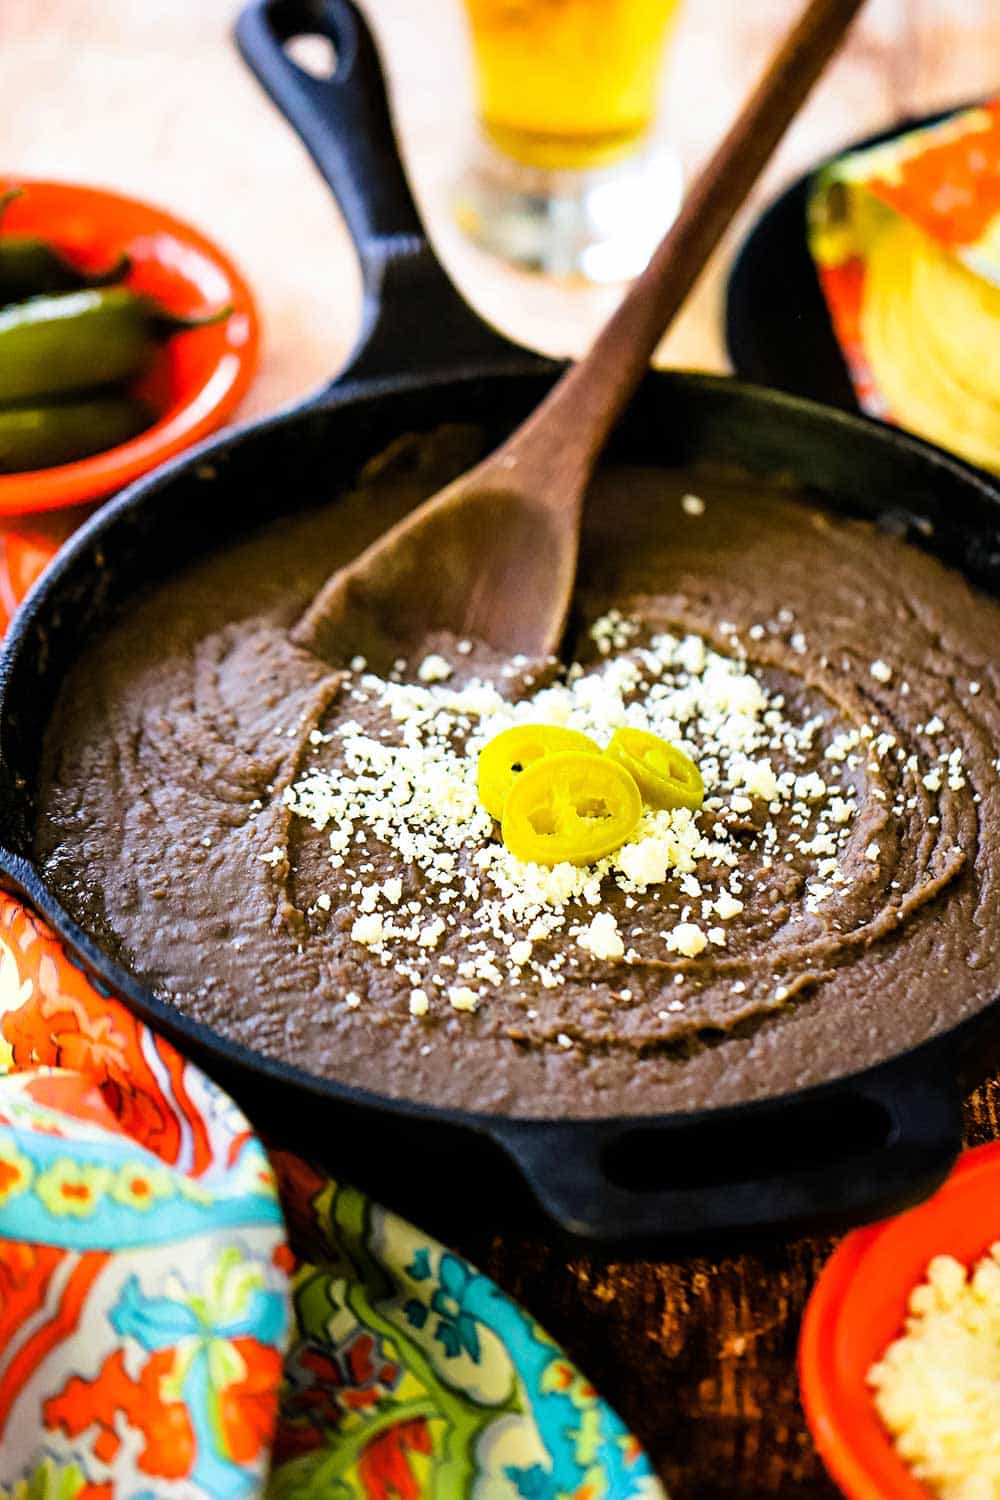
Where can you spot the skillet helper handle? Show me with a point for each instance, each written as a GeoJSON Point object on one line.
{"type": "Point", "coordinates": [844, 1154]}
{"type": "Point", "coordinates": [412, 315]}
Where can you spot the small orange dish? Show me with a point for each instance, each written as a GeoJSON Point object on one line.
{"type": "Point", "coordinates": [858, 1308]}
{"type": "Point", "coordinates": [198, 378]}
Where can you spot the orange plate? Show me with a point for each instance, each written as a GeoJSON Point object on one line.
{"type": "Point", "coordinates": [200, 375]}
{"type": "Point", "coordinates": [23, 557]}
{"type": "Point", "coordinates": [858, 1307]}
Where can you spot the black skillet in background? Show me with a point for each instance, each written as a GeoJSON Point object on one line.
{"type": "Point", "coordinates": [854, 1149]}
{"type": "Point", "coordinates": [778, 329]}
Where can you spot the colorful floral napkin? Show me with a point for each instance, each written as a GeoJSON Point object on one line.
{"type": "Point", "coordinates": [937, 188]}
{"type": "Point", "coordinates": [160, 1339]}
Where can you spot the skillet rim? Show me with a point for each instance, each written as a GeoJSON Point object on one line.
{"type": "Point", "coordinates": [172, 1022]}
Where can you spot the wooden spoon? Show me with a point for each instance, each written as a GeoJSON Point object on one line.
{"type": "Point", "coordinates": [492, 557]}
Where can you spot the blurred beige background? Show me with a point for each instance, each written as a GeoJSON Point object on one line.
{"type": "Point", "coordinates": [150, 96]}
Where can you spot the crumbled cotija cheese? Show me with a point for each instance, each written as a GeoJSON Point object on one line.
{"type": "Point", "coordinates": [645, 863]}
{"type": "Point", "coordinates": [434, 668]}
{"type": "Point", "coordinates": [602, 937]}
{"type": "Point", "coordinates": [367, 930]}
{"type": "Point", "coordinates": [937, 1388]}
{"type": "Point", "coordinates": [463, 998]}
{"type": "Point", "coordinates": [727, 906]}
{"type": "Point", "coordinates": [687, 938]}
{"type": "Point", "coordinates": [758, 777]}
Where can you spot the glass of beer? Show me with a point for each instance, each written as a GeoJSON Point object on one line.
{"type": "Point", "coordinates": [566, 175]}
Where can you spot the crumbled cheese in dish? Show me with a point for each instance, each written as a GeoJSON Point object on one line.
{"type": "Point", "coordinates": [430, 935]}
{"type": "Point", "coordinates": [410, 785]}
{"type": "Point", "coordinates": [645, 863]}
{"type": "Point", "coordinates": [612, 632]}
{"type": "Point", "coordinates": [727, 906]}
{"type": "Point", "coordinates": [692, 505]}
{"type": "Point", "coordinates": [687, 938]}
{"type": "Point", "coordinates": [419, 1002]}
{"type": "Point", "coordinates": [758, 777]}
{"type": "Point", "coordinates": [937, 1387]}
{"type": "Point", "coordinates": [434, 668]}
{"type": "Point", "coordinates": [368, 930]}
{"type": "Point", "coordinates": [838, 810]}
{"type": "Point", "coordinates": [602, 937]}
{"type": "Point", "coordinates": [881, 671]}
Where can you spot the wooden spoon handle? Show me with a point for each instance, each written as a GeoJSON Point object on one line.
{"type": "Point", "coordinates": [561, 441]}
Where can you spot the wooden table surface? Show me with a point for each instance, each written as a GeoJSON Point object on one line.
{"type": "Point", "coordinates": [150, 97]}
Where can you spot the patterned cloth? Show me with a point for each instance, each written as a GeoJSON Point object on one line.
{"type": "Point", "coordinates": [944, 180]}
{"type": "Point", "coordinates": [153, 1316]}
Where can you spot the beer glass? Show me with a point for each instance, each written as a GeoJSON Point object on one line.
{"type": "Point", "coordinates": [566, 175]}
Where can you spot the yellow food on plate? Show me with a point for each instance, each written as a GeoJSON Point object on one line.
{"type": "Point", "coordinates": [905, 235]}
{"type": "Point", "coordinates": [937, 1388]}
{"type": "Point", "coordinates": [931, 331]}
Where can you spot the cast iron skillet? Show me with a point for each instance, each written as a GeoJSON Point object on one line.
{"type": "Point", "coordinates": [857, 1148]}
{"type": "Point", "coordinates": [778, 329]}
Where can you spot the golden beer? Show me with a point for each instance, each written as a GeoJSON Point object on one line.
{"type": "Point", "coordinates": [567, 83]}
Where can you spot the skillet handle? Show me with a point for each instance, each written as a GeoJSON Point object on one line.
{"type": "Point", "coordinates": [411, 312]}
{"type": "Point", "coordinates": [840, 1155]}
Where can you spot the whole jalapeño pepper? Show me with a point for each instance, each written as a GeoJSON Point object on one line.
{"type": "Point", "coordinates": [76, 340]}
{"type": "Point", "coordinates": [41, 437]}
{"type": "Point", "coordinates": [30, 267]}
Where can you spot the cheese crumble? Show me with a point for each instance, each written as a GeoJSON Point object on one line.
{"type": "Point", "coordinates": [602, 937]}
{"type": "Point", "coordinates": [687, 938]}
{"type": "Point", "coordinates": [937, 1387]}
{"type": "Point", "coordinates": [434, 668]}
{"type": "Point", "coordinates": [419, 1002]}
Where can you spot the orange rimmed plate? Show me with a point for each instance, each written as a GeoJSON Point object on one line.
{"type": "Point", "coordinates": [198, 378]}
{"type": "Point", "coordinates": [858, 1308]}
